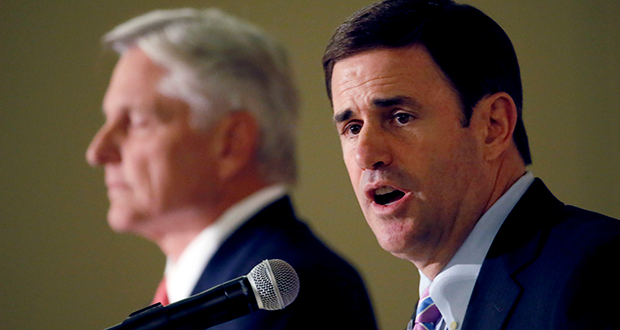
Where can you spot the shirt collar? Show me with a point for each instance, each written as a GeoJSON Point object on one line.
{"type": "Point", "coordinates": [182, 275]}
{"type": "Point", "coordinates": [453, 286]}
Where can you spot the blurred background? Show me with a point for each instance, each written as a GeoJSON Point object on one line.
{"type": "Point", "coordinates": [61, 267]}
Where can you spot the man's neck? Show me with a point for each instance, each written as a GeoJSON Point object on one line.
{"type": "Point", "coordinates": [508, 171]}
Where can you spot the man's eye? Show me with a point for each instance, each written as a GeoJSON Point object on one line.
{"type": "Point", "coordinates": [352, 129]}
{"type": "Point", "coordinates": [403, 118]}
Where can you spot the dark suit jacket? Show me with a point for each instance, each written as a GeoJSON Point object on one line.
{"type": "Point", "coordinates": [551, 266]}
{"type": "Point", "coordinates": [332, 294]}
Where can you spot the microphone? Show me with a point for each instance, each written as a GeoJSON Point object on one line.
{"type": "Point", "coordinates": [271, 285]}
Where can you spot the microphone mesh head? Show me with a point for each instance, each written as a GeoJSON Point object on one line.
{"type": "Point", "coordinates": [275, 284]}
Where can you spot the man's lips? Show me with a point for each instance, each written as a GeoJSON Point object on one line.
{"type": "Point", "coordinates": [387, 195]}
{"type": "Point", "coordinates": [114, 179]}
{"type": "Point", "coordinates": [384, 194]}
{"type": "Point", "coordinates": [113, 185]}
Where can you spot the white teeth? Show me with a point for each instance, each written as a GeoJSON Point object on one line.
{"type": "Point", "coordinates": [384, 190]}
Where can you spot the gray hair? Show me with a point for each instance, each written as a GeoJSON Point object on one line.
{"type": "Point", "coordinates": [219, 64]}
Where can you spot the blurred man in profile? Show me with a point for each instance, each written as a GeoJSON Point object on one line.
{"type": "Point", "coordinates": [427, 101]}
{"type": "Point", "coordinates": [198, 149]}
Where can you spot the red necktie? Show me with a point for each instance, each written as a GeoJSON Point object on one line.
{"type": "Point", "coordinates": [161, 295]}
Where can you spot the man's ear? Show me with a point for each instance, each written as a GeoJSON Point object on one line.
{"type": "Point", "coordinates": [498, 115]}
{"type": "Point", "coordinates": [239, 135]}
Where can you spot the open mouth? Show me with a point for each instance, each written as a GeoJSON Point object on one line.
{"type": "Point", "coordinates": [387, 195]}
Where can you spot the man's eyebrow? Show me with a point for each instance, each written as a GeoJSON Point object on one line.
{"type": "Point", "coordinates": [393, 101]}
{"type": "Point", "coordinates": [380, 103]}
{"type": "Point", "coordinates": [342, 116]}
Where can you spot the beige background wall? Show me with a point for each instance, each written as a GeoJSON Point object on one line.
{"type": "Point", "coordinates": [62, 268]}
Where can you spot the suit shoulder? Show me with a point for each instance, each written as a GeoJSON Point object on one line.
{"type": "Point", "coordinates": [586, 227]}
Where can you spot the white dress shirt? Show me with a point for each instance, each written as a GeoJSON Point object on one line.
{"type": "Point", "coordinates": [453, 286]}
{"type": "Point", "coordinates": [182, 275]}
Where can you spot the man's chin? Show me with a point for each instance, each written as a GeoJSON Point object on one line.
{"type": "Point", "coordinates": [397, 245]}
{"type": "Point", "coordinates": [119, 226]}
{"type": "Point", "coordinates": [123, 221]}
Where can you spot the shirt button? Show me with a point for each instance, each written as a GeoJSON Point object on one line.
{"type": "Point", "coordinates": [453, 325]}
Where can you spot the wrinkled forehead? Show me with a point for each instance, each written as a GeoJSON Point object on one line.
{"type": "Point", "coordinates": [385, 76]}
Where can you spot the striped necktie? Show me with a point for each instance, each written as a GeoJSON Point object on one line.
{"type": "Point", "coordinates": [161, 295]}
{"type": "Point", "coordinates": [427, 314]}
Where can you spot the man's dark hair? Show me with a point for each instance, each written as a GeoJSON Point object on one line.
{"type": "Point", "coordinates": [471, 49]}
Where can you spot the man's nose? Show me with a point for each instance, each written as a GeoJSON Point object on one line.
{"type": "Point", "coordinates": [103, 148]}
{"type": "Point", "coordinates": [373, 148]}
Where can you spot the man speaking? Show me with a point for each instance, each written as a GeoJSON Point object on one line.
{"type": "Point", "coordinates": [427, 101]}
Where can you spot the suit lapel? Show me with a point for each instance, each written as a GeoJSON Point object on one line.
{"type": "Point", "coordinates": [516, 245]}
{"type": "Point", "coordinates": [232, 258]}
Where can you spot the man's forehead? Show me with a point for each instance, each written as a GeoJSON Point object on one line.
{"type": "Point", "coordinates": [385, 77]}
{"type": "Point", "coordinates": [347, 69]}
{"type": "Point", "coordinates": [350, 70]}
{"type": "Point", "coordinates": [370, 68]}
